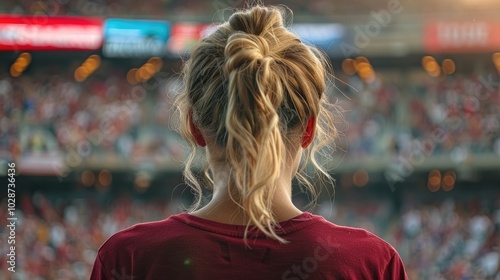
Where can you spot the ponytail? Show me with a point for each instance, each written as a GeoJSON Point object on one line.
{"type": "Point", "coordinates": [255, 148]}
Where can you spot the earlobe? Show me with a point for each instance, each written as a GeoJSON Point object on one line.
{"type": "Point", "coordinates": [308, 136]}
{"type": "Point", "coordinates": [195, 131]}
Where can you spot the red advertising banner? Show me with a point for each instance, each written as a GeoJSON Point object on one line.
{"type": "Point", "coordinates": [461, 36]}
{"type": "Point", "coordinates": [184, 35]}
{"type": "Point", "coordinates": [29, 33]}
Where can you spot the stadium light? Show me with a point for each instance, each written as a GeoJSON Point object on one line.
{"type": "Point", "coordinates": [14, 73]}
{"type": "Point", "coordinates": [131, 76]}
{"type": "Point", "coordinates": [104, 178]}
{"type": "Point", "coordinates": [21, 63]}
{"type": "Point", "coordinates": [434, 180]}
{"type": "Point", "coordinates": [89, 66]}
{"type": "Point", "coordinates": [80, 74]}
{"type": "Point", "coordinates": [150, 69]}
{"type": "Point", "coordinates": [496, 61]}
{"type": "Point", "coordinates": [87, 178]}
{"type": "Point", "coordinates": [496, 58]}
{"type": "Point", "coordinates": [426, 59]}
{"type": "Point", "coordinates": [157, 62]}
{"type": "Point", "coordinates": [449, 179]}
{"type": "Point", "coordinates": [349, 66]}
{"type": "Point", "coordinates": [142, 181]}
{"type": "Point", "coordinates": [361, 59]}
{"type": "Point", "coordinates": [431, 66]}
{"type": "Point", "coordinates": [145, 72]}
{"type": "Point", "coordinates": [92, 63]}
{"type": "Point", "coordinates": [449, 66]}
{"type": "Point", "coordinates": [360, 178]}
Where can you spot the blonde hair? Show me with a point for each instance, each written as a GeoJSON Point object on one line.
{"type": "Point", "coordinates": [249, 85]}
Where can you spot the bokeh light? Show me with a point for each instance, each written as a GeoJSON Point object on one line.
{"type": "Point", "coordinates": [365, 71]}
{"type": "Point", "coordinates": [88, 178]}
{"type": "Point", "coordinates": [105, 178]}
{"type": "Point", "coordinates": [496, 58]}
{"type": "Point", "coordinates": [448, 66]}
{"type": "Point", "coordinates": [349, 66]}
{"type": "Point", "coordinates": [434, 180]}
{"type": "Point", "coordinates": [21, 63]}
{"type": "Point", "coordinates": [360, 178]}
{"type": "Point", "coordinates": [157, 62]}
{"type": "Point", "coordinates": [142, 181]}
{"type": "Point", "coordinates": [131, 76]}
{"type": "Point", "coordinates": [449, 181]}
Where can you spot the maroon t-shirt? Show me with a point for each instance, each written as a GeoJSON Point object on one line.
{"type": "Point", "coordinates": [189, 247]}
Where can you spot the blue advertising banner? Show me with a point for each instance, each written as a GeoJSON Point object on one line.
{"type": "Point", "coordinates": [326, 36]}
{"type": "Point", "coordinates": [135, 38]}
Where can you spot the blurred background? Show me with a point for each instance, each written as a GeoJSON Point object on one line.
{"type": "Point", "coordinates": [86, 90]}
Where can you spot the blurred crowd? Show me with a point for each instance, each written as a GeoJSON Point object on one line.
{"type": "Point", "coordinates": [103, 119]}
{"type": "Point", "coordinates": [456, 116]}
{"type": "Point", "coordinates": [452, 239]}
{"type": "Point", "coordinates": [106, 119]}
{"type": "Point", "coordinates": [165, 8]}
{"type": "Point", "coordinates": [461, 113]}
{"type": "Point", "coordinates": [162, 9]}
{"type": "Point", "coordinates": [59, 238]}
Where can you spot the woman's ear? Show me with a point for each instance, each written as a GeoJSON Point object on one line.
{"type": "Point", "coordinates": [309, 132]}
{"type": "Point", "coordinates": [195, 131]}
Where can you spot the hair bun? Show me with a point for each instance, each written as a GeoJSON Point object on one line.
{"type": "Point", "coordinates": [243, 49]}
{"type": "Point", "coordinates": [260, 21]}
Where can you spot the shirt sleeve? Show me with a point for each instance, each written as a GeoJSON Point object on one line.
{"type": "Point", "coordinates": [99, 271]}
{"type": "Point", "coordinates": [395, 269]}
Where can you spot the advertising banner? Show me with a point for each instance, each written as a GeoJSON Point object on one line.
{"type": "Point", "coordinates": [185, 34]}
{"type": "Point", "coordinates": [461, 36]}
{"type": "Point", "coordinates": [325, 36]}
{"type": "Point", "coordinates": [33, 33]}
{"type": "Point", "coordinates": [135, 38]}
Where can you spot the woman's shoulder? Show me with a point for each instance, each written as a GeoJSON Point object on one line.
{"type": "Point", "coordinates": [355, 252]}
{"type": "Point", "coordinates": [136, 248]}
{"type": "Point", "coordinates": [142, 234]}
{"type": "Point", "coordinates": [350, 239]}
